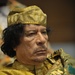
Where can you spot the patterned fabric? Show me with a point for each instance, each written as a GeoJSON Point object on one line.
{"type": "Point", "coordinates": [55, 64]}
{"type": "Point", "coordinates": [29, 15]}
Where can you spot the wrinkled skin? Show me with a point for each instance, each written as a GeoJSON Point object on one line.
{"type": "Point", "coordinates": [33, 45]}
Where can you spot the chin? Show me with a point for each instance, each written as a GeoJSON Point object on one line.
{"type": "Point", "coordinates": [40, 59]}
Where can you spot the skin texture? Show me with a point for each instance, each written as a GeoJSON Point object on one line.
{"type": "Point", "coordinates": [33, 45]}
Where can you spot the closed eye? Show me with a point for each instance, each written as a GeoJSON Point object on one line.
{"type": "Point", "coordinates": [44, 32]}
{"type": "Point", "coordinates": [31, 33]}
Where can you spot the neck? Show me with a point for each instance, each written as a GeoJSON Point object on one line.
{"type": "Point", "coordinates": [30, 62]}
{"type": "Point", "coordinates": [27, 67]}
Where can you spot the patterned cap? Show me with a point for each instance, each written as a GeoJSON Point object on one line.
{"type": "Point", "coordinates": [28, 15]}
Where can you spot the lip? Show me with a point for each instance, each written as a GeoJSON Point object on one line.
{"type": "Point", "coordinates": [41, 52]}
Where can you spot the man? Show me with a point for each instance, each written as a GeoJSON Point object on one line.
{"type": "Point", "coordinates": [26, 40]}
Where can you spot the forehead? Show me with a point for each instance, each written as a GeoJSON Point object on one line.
{"type": "Point", "coordinates": [34, 27]}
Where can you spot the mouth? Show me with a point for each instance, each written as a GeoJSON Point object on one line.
{"type": "Point", "coordinates": [41, 52]}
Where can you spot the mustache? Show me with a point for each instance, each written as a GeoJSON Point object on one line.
{"type": "Point", "coordinates": [41, 48]}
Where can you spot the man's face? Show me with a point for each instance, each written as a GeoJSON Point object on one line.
{"type": "Point", "coordinates": [33, 46]}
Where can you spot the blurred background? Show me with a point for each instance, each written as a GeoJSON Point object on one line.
{"type": "Point", "coordinates": [61, 20]}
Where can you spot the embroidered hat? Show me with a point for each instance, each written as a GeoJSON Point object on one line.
{"type": "Point", "coordinates": [28, 15]}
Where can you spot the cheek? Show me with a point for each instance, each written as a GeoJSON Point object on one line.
{"type": "Point", "coordinates": [28, 48]}
{"type": "Point", "coordinates": [29, 43]}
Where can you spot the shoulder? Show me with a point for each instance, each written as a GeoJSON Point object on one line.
{"type": "Point", "coordinates": [9, 71]}
{"type": "Point", "coordinates": [12, 71]}
{"type": "Point", "coordinates": [67, 60]}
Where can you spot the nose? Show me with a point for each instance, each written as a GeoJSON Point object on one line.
{"type": "Point", "coordinates": [40, 39]}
